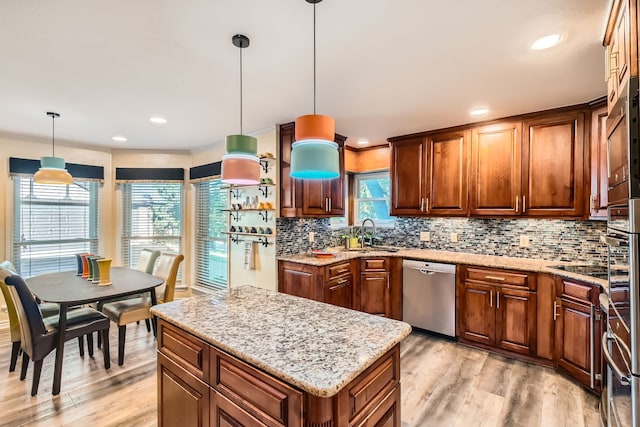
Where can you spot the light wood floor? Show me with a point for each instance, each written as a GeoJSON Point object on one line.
{"type": "Point", "coordinates": [443, 384]}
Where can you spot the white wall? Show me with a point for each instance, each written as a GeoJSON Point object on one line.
{"type": "Point", "coordinates": [265, 274]}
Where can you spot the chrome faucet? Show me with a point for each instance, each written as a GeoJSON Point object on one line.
{"type": "Point", "coordinates": [373, 224]}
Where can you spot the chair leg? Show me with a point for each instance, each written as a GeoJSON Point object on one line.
{"type": "Point", "coordinates": [37, 368]}
{"type": "Point", "coordinates": [90, 343]}
{"type": "Point", "coordinates": [81, 345]}
{"type": "Point", "coordinates": [122, 334]}
{"type": "Point", "coordinates": [105, 348]}
{"type": "Point", "coordinates": [25, 364]}
{"type": "Point", "coordinates": [99, 340]}
{"type": "Point", "coordinates": [148, 323]}
{"type": "Point", "coordinates": [15, 349]}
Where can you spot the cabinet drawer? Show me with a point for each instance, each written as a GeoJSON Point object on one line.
{"type": "Point", "coordinates": [338, 270]}
{"type": "Point", "coordinates": [500, 277]}
{"type": "Point", "coordinates": [374, 384]}
{"type": "Point", "coordinates": [188, 351]}
{"type": "Point", "coordinates": [374, 264]}
{"type": "Point", "coordinates": [579, 291]}
{"type": "Point", "coordinates": [262, 396]}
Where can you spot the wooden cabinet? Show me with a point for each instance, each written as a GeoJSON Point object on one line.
{"type": "Point", "coordinates": [497, 308]}
{"type": "Point", "coordinates": [235, 393]}
{"type": "Point", "coordinates": [372, 285]}
{"type": "Point", "coordinates": [620, 43]}
{"type": "Point", "coordinates": [308, 198]}
{"type": "Point", "coordinates": [496, 169]}
{"type": "Point", "coordinates": [182, 398]}
{"type": "Point", "coordinates": [333, 284]}
{"type": "Point", "coordinates": [599, 175]}
{"type": "Point", "coordinates": [577, 331]}
{"type": "Point", "coordinates": [380, 289]}
{"type": "Point", "coordinates": [554, 153]}
{"type": "Point", "coordinates": [429, 174]}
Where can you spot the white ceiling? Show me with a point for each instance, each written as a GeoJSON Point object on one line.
{"type": "Point", "coordinates": [384, 68]}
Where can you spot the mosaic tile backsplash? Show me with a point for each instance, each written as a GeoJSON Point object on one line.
{"type": "Point", "coordinates": [556, 240]}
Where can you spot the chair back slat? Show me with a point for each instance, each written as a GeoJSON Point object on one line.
{"type": "Point", "coordinates": [167, 268]}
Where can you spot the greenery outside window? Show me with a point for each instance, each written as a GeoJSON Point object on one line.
{"type": "Point", "coordinates": [52, 223]}
{"type": "Point", "coordinates": [371, 198]}
{"type": "Point", "coordinates": [152, 218]}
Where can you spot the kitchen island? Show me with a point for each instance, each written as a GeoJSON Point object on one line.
{"type": "Point", "coordinates": [248, 356]}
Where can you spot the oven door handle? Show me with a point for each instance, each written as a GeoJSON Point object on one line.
{"type": "Point", "coordinates": [612, 241]}
{"type": "Point", "coordinates": [622, 377]}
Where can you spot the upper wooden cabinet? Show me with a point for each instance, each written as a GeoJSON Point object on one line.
{"type": "Point", "coordinates": [621, 47]}
{"type": "Point", "coordinates": [496, 169]}
{"type": "Point", "coordinates": [429, 175]}
{"type": "Point", "coordinates": [553, 160]}
{"type": "Point", "coordinates": [308, 198]}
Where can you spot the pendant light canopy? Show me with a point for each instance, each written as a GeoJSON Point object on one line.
{"type": "Point", "coordinates": [240, 165]}
{"type": "Point", "coordinates": [52, 169]}
{"type": "Point", "coordinates": [314, 155]}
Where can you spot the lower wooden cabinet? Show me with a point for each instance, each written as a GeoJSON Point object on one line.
{"type": "Point", "coordinates": [578, 331]}
{"type": "Point", "coordinates": [498, 316]}
{"type": "Point", "coordinates": [237, 394]}
{"type": "Point", "coordinates": [372, 284]}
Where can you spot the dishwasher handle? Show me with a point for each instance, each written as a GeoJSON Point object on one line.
{"type": "Point", "coordinates": [429, 272]}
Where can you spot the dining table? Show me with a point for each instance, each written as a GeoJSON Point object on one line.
{"type": "Point", "coordinates": [67, 290]}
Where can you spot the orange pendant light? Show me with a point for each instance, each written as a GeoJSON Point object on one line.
{"type": "Point", "coordinates": [52, 169]}
{"type": "Point", "coordinates": [314, 155]}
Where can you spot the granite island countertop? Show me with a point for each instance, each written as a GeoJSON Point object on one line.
{"type": "Point", "coordinates": [450, 257]}
{"type": "Point", "coordinates": [316, 347]}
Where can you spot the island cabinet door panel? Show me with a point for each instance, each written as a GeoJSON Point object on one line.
{"type": "Point", "coordinates": [189, 351]}
{"type": "Point", "coordinates": [259, 395]}
{"type": "Point", "coordinates": [573, 338]}
{"type": "Point", "coordinates": [225, 413]}
{"type": "Point", "coordinates": [385, 414]}
{"type": "Point", "coordinates": [408, 176]}
{"type": "Point", "coordinates": [448, 174]}
{"type": "Point", "coordinates": [496, 169]}
{"type": "Point", "coordinates": [553, 171]}
{"type": "Point", "coordinates": [375, 294]}
{"type": "Point", "coordinates": [477, 313]}
{"type": "Point", "coordinates": [183, 400]}
{"type": "Point", "coordinates": [516, 320]}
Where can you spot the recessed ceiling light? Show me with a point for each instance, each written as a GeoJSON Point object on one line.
{"type": "Point", "coordinates": [478, 111]}
{"type": "Point", "coordinates": [158, 120]}
{"type": "Point", "coordinates": [546, 42]}
{"type": "Point", "coordinates": [363, 141]}
{"type": "Point", "coordinates": [119, 138]}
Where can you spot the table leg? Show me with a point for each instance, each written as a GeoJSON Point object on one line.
{"type": "Point", "coordinates": [154, 321]}
{"type": "Point", "coordinates": [57, 371]}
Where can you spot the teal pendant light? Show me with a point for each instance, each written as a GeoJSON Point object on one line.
{"type": "Point", "coordinates": [52, 169]}
{"type": "Point", "coordinates": [314, 155]}
{"type": "Point", "coordinates": [240, 164]}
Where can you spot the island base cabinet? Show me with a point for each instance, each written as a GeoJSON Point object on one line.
{"type": "Point", "coordinates": [183, 400]}
{"type": "Point", "coordinates": [225, 413]}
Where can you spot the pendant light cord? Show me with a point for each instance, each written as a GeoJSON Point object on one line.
{"type": "Point", "coordinates": [53, 135]}
{"type": "Point", "coordinates": [240, 91]}
{"type": "Point", "coordinates": [314, 58]}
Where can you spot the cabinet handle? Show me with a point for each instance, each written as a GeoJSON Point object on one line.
{"type": "Point", "coordinates": [330, 205]}
{"type": "Point", "coordinates": [524, 204]}
{"type": "Point", "coordinates": [427, 205]}
{"type": "Point", "coordinates": [495, 278]}
{"type": "Point", "coordinates": [343, 281]}
{"type": "Point", "coordinates": [517, 204]}
{"type": "Point", "coordinates": [555, 310]}
{"type": "Point", "coordinates": [491, 298]}
{"type": "Point", "coordinates": [344, 270]}
{"type": "Point", "coordinates": [498, 299]}
{"type": "Point", "coordinates": [422, 204]}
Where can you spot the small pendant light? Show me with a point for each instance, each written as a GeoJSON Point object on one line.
{"type": "Point", "coordinates": [241, 165]}
{"type": "Point", "coordinates": [52, 169]}
{"type": "Point", "coordinates": [314, 155]}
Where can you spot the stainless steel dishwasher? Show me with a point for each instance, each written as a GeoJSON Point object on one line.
{"type": "Point", "coordinates": [429, 296]}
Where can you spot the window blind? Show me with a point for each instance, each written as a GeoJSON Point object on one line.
{"type": "Point", "coordinates": [151, 218]}
{"type": "Point", "coordinates": [210, 243]}
{"type": "Point", "coordinates": [52, 223]}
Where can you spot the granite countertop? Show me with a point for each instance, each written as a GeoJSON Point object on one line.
{"type": "Point", "coordinates": [316, 347]}
{"type": "Point", "coordinates": [493, 261]}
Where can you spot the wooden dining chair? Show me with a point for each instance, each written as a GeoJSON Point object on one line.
{"type": "Point", "coordinates": [39, 336]}
{"type": "Point", "coordinates": [132, 310]}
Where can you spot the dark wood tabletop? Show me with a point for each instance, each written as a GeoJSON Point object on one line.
{"type": "Point", "coordinates": [67, 288]}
